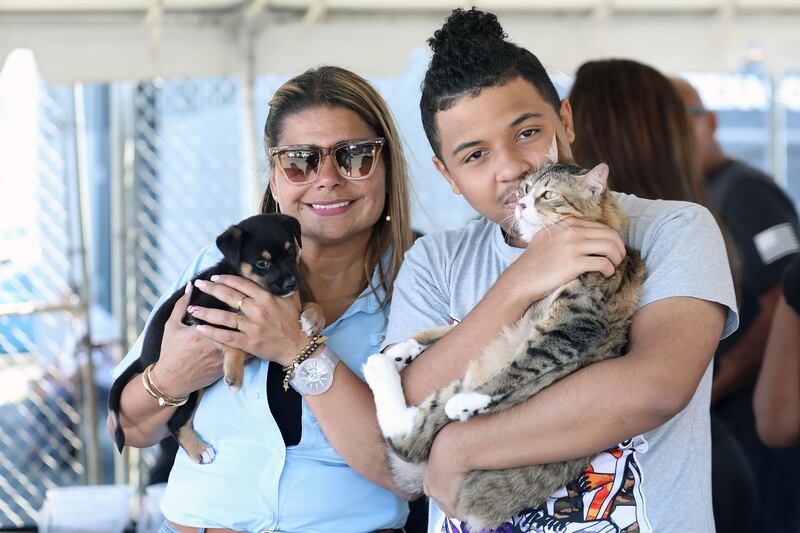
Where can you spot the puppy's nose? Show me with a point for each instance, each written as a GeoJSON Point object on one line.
{"type": "Point", "coordinates": [289, 283]}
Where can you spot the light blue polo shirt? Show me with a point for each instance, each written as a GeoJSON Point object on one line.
{"type": "Point", "coordinates": [257, 483]}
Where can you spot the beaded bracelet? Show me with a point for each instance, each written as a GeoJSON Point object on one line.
{"type": "Point", "coordinates": [163, 399]}
{"type": "Point", "coordinates": [306, 352]}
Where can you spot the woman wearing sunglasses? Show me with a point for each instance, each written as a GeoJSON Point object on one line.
{"type": "Point", "coordinates": [310, 458]}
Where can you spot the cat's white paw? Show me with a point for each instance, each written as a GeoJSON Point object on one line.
{"type": "Point", "coordinates": [380, 373]}
{"type": "Point", "coordinates": [465, 404]}
{"type": "Point", "coordinates": [394, 417]}
{"type": "Point", "coordinates": [403, 353]}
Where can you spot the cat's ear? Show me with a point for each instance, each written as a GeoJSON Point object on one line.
{"type": "Point", "coordinates": [552, 152]}
{"type": "Point", "coordinates": [594, 182]}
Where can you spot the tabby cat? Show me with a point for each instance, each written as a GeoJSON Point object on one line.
{"type": "Point", "coordinates": [584, 321]}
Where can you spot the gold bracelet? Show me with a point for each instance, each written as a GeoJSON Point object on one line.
{"type": "Point", "coordinates": [164, 400]}
{"type": "Point", "coordinates": [305, 353]}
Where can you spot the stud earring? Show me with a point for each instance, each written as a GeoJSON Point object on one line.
{"type": "Point", "coordinates": [388, 218]}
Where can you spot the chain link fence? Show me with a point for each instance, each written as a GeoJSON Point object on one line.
{"type": "Point", "coordinates": [41, 445]}
{"type": "Point", "coordinates": [187, 182]}
{"type": "Point", "coordinates": [189, 174]}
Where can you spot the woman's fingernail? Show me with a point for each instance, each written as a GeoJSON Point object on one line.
{"type": "Point", "coordinates": [191, 309]}
{"type": "Point", "coordinates": [188, 288]}
{"type": "Point", "coordinates": [214, 277]}
{"type": "Point", "coordinates": [200, 283]}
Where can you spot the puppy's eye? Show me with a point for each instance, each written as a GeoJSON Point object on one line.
{"type": "Point", "coordinates": [549, 195]}
{"type": "Point", "coordinates": [263, 264]}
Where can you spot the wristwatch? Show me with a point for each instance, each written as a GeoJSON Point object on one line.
{"type": "Point", "coordinates": [315, 374]}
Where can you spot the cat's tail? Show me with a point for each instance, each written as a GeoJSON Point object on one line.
{"type": "Point", "coordinates": [407, 476]}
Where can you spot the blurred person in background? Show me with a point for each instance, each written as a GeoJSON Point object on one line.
{"type": "Point", "coordinates": [763, 224]}
{"type": "Point", "coordinates": [776, 400]}
{"type": "Point", "coordinates": [288, 462]}
{"type": "Point", "coordinates": [628, 115]}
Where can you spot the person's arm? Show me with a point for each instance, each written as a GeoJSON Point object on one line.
{"type": "Point", "coordinates": [672, 342]}
{"type": "Point", "coordinates": [269, 329]}
{"type": "Point", "coordinates": [738, 367]}
{"type": "Point", "coordinates": [673, 337]}
{"type": "Point", "coordinates": [346, 414]}
{"type": "Point", "coordinates": [188, 362]}
{"type": "Point", "coordinates": [776, 400]}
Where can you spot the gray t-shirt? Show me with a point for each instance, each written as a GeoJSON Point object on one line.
{"type": "Point", "coordinates": [660, 480]}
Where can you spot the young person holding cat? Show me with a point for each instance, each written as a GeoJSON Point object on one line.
{"type": "Point", "coordinates": [490, 112]}
{"type": "Point", "coordinates": [319, 464]}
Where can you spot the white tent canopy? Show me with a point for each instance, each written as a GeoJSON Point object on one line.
{"type": "Point", "coordinates": [131, 39]}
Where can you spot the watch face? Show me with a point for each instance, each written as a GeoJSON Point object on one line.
{"type": "Point", "coordinates": [315, 375]}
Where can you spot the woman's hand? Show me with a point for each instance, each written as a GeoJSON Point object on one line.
{"type": "Point", "coordinates": [189, 361]}
{"type": "Point", "coordinates": [562, 252]}
{"type": "Point", "coordinates": [268, 326]}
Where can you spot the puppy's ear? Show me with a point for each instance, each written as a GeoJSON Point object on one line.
{"type": "Point", "coordinates": [230, 244]}
{"type": "Point", "coordinates": [294, 226]}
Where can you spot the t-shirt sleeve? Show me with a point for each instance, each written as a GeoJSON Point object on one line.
{"type": "Point", "coordinates": [205, 259]}
{"type": "Point", "coordinates": [419, 299]}
{"type": "Point", "coordinates": [685, 256]}
{"type": "Point", "coordinates": [764, 227]}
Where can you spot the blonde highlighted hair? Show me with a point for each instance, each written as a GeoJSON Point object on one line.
{"type": "Point", "coordinates": [330, 86]}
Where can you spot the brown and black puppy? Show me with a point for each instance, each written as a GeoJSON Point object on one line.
{"type": "Point", "coordinates": [263, 248]}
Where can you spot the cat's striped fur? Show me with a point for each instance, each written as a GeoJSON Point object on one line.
{"type": "Point", "coordinates": [584, 321]}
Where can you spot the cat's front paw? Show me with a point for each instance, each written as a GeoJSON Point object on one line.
{"type": "Point", "coordinates": [394, 417]}
{"type": "Point", "coordinates": [402, 353]}
{"type": "Point", "coordinates": [380, 373]}
{"type": "Point", "coordinates": [463, 405]}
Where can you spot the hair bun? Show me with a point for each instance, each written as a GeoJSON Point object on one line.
{"type": "Point", "coordinates": [464, 28]}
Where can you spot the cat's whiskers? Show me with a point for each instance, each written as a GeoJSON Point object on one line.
{"type": "Point", "coordinates": [513, 223]}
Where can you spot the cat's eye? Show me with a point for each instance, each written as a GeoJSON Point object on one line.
{"type": "Point", "coordinates": [263, 264]}
{"type": "Point", "coordinates": [549, 195]}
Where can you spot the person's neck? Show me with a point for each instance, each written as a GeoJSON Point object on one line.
{"type": "Point", "coordinates": [335, 273]}
{"type": "Point", "coordinates": [714, 160]}
{"type": "Point", "coordinates": [512, 239]}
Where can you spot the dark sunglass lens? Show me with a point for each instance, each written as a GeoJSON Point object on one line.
{"type": "Point", "coordinates": [361, 159]}
{"type": "Point", "coordinates": [343, 162]}
{"type": "Point", "coordinates": [299, 165]}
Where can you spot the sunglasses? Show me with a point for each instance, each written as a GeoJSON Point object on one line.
{"type": "Point", "coordinates": [355, 159]}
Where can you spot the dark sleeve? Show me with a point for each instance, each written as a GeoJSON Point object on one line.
{"type": "Point", "coordinates": [791, 284]}
{"type": "Point", "coordinates": [764, 227]}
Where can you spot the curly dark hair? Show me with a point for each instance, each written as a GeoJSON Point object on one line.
{"type": "Point", "coordinates": [470, 53]}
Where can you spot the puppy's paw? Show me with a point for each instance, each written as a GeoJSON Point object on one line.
{"type": "Point", "coordinates": [208, 455]}
{"type": "Point", "coordinates": [311, 319]}
{"type": "Point", "coordinates": [233, 367]}
{"type": "Point", "coordinates": [234, 377]}
{"type": "Point", "coordinates": [402, 353]}
{"type": "Point", "coordinates": [465, 404]}
{"type": "Point", "coordinates": [202, 454]}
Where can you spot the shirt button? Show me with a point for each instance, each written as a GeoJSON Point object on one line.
{"type": "Point", "coordinates": [258, 396]}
